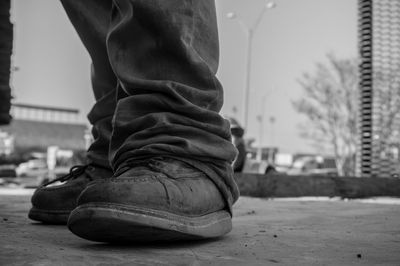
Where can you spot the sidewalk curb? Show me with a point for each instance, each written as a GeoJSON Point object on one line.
{"type": "Point", "coordinates": [265, 186]}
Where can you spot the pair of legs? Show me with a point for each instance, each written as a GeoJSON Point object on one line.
{"type": "Point", "coordinates": [156, 127]}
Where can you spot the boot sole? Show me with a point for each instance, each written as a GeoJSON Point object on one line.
{"type": "Point", "coordinates": [104, 222]}
{"type": "Point", "coordinates": [49, 216]}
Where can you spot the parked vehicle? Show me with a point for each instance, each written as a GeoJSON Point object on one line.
{"type": "Point", "coordinates": [32, 168]}
{"type": "Point", "coordinates": [313, 165]}
{"type": "Point", "coordinates": [8, 170]}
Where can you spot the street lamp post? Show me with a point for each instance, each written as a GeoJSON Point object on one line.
{"type": "Point", "coordinates": [260, 119]}
{"type": "Point", "coordinates": [249, 31]}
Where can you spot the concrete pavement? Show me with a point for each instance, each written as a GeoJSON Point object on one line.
{"type": "Point", "coordinates": [265, 233]}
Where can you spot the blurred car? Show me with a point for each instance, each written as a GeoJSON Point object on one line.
{"type": "Point", "coordinates": [313, 165]}
{"type": "Point", "coordinates": [32, 168]}
{"type": "Point", "coordinates": [8, 170]}
{"type": "Point", "coordinates": [324, 172]}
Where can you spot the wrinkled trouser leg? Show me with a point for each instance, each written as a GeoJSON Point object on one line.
{"type": "Point", "coordinates": [91, 18]}
{"type": "Point", "coordinates": [6, 41]}
{"type": "Point", "coordinates": [164, 55]}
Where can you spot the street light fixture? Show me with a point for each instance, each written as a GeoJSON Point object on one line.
{"type": "Point", "coordinates": [249, 31]}
{"type": "Point", "coordinates": [231, 15]}
{"type": "Point", "coordinates": [270, 5]}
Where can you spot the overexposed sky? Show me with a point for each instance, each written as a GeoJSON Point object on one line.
{"type": "Point", "coordinates": [54, 66]}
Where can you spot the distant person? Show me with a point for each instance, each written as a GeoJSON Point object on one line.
{"type": "Point", "coordinates": [237, 139]}
{"type": "Point", "coordinates": [160, 164]}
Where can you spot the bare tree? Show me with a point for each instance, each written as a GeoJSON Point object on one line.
{"type": "Point", "coordinates": [330, 105]}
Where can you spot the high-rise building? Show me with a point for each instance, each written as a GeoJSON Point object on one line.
{"type": "Point", "coordinates": [379, 46]}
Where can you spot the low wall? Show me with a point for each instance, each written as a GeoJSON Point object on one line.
{"type": "Point", "coordinates": [265, 186]}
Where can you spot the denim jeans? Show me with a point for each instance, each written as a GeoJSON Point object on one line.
{"type": "Point", "coordinates": [153, 75]}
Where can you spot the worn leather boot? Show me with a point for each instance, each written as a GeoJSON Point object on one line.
{"type": "Point", "coordinates": [53, 203]}
{"type": "Point", "coordinates": [160, 199]}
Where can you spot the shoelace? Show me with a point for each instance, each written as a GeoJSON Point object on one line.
{"type": "Point", "coordinates": [74, 172]}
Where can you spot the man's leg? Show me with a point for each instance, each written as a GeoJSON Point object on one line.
{"type": "Point", "coordinates": [53, 204]}
{"type": "Point", "coordinates": [170, 149]}
{"type": "Point", "coordinates": [91, 19]}
{"type": "Point", "coordinates": [6, 37]}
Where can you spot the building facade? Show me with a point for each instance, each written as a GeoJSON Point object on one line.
{"type": "Point", "coordinates": [379, 123]}
{"type": "Point", "coordinates": [38, 127]}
